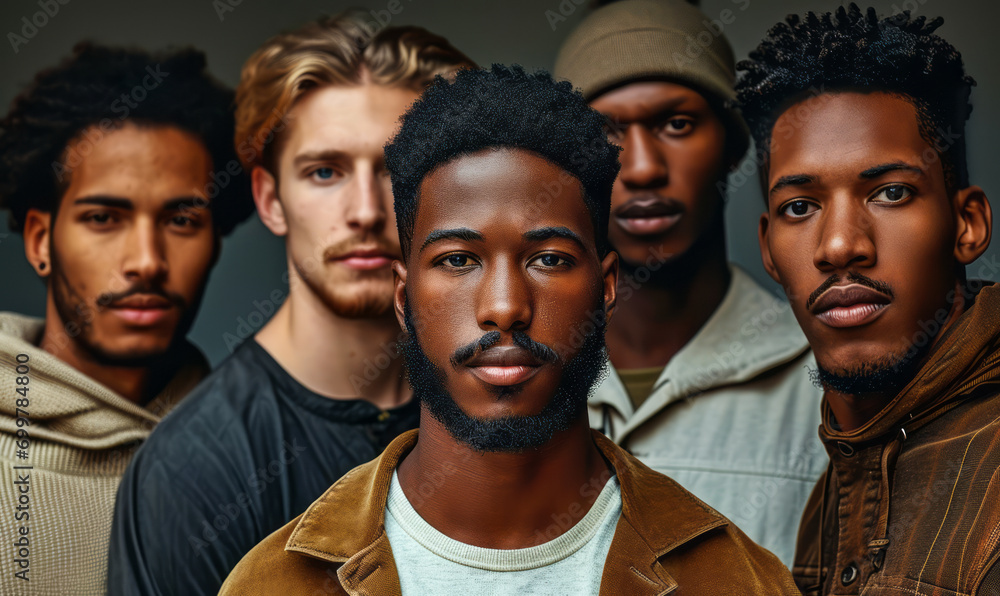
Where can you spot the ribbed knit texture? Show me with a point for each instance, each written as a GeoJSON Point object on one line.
{"type": "Point", "coordinates": [83, 436]}
{"type": "Point", "coordinates": [572, 563]}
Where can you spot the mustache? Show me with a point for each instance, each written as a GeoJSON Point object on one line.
{"type": "Point", "coordinates": [108, 298]}
{"type": "Point", "coordinates": [521, 340]}
{"type": "Point", "coordinates": [878, 286]}
{"type": "Point", "coordinates": [345, 246]}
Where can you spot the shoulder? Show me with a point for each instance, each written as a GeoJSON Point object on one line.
{"type": "Point", "coordinates": [223, 418]}
{"type": "Point", "coordinates": [269, 569]}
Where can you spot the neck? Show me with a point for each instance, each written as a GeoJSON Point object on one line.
{"type": "Point", "coordinates": [137, 384]}
{"type": "Point", "coordinates": [852, 411]}
{"type": "Point", "coordinates": [502, 500]}
{"type": "Point", "coordinates": [658, 318]}
{"type": "Point", "coordinates": [335, 356]}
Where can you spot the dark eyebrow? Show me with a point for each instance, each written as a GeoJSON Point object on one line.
{"type": "Point", "coordinates": [451, 234]}
{"type": "Point", "coordinates": [542, 234]}
{"type": "Point", "coordinates": [178, 204]}
{"type": "Point", "coordinates": [793, 180]}
{"type": "Point", "coordinates": [885, 168]}
{"type": "Point", "coordinates": [103, 201]}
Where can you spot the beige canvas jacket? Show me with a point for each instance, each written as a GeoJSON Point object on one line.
{"type": "Point", "coordinates": [733, 417]}
{"type": "Point", "coordinates": [81, 438]}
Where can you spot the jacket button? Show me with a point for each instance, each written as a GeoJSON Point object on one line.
{"type": "Point", "coordinates": [846, 449]}
{"type": "Point", "coordinates": [849, 575]}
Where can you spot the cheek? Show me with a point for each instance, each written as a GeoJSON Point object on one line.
{"type": "Point", "coordinates": [189, 261]}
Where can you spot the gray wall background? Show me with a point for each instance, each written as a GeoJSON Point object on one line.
{"type": "Point", "coordinates": [252, 262]}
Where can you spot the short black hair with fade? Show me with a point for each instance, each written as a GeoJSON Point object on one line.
{"type": "Point", "coordinates": [851, 50]}
{"type": "Point", "coordinates": [503, 107]}
{"type": "Point", "coordinates": [108, 87]}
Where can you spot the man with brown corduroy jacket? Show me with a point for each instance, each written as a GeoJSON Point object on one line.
{"type": "Point", "coordinates": [873, 229]}
{"type": "Point", "coordinates": [502, 183]}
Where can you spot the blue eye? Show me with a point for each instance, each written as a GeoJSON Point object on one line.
{"type": "Point", "coordinates": [324, 173]}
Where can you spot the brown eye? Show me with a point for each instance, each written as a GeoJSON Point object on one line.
{"type": "Point", "coordinates": [796, 209]}
{"type": "Point", "coordinates": [894, 194]}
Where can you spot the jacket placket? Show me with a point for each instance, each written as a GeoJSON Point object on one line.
{"type": "Point", "coordinates": [860, 489]}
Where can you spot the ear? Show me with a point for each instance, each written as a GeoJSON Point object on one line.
{"type": "Point", "coordinates": [265, 196]}
{"type": "Point", "coordinates": [610, 267]}
{"type": "Point", "coordinates": [399, 292]}
{"type": "Point", "coordinates": [765, 249]}
{"type": "Point", "coordinates": [37, 239]}
{"type": "Point", "coordinates": [973, 224]}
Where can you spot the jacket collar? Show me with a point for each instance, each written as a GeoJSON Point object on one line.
{"type": "Point", "coordinates": [751, 332]}
{"type": "Point", "coordinates": [346, 524]}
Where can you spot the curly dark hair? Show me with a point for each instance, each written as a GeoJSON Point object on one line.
{"type": "Point", "coordinates": [502, 107]}
{"type": "Point", "coordinates": [851, 50]}
{"type": "Point", "coordinates": [100, 86]}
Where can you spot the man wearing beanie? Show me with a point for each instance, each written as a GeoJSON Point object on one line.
{"type": "Point", "coordinates": [710, 381]}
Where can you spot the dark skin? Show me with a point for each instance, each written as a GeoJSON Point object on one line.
{"type": "Point", "coordinates": [511, 273]}
{"type": "Point", "coordinates": [855, 190]}
{"type": "Point", "coordinates": [664, 200]}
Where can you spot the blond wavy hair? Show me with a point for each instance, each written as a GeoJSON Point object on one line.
{"type": "Point", "coordinates": [341, 50]}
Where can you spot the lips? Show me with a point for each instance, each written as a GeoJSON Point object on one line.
{"type": "Point", "coordinates": [504, 365]}
{"type": "Point", "coordinates": [142, 309]}
{"type": "Point", "coordinates": [365, 259]}
{"type": "Point", "coordinates": [648, 215]}
{"type": "Point", "coordinates": [851, 305]}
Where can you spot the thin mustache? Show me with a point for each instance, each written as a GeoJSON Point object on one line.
{"type": "Point", "coordinates": [853, 277]}
{"type": "Point", "coordinates": [109, 298]}
{"type": "Point", "coordinates": [521, 339]}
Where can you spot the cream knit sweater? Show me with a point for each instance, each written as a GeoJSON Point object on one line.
{"type": "Point", "coordinates": [81, 438]}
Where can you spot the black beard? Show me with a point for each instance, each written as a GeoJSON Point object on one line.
{"type": "Point", "coordinates": [886, 376]}
{"type": "Point", "coordinates": [509, 434]}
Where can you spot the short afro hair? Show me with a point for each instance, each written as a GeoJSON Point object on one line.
{"type": "Point", "coordinates": [503, 107]}
{"type": "Point", "coordinates": [109, 87]}
{"type": "Point", "coordinates": [851, 50]}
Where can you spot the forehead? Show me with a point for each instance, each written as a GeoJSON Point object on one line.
{"type": "Point", "coordinates": [644, 98]}
{"type": "Point", "coordinates": [502, 192]}
{"type": "Point", "coordinates": [356, 119]}
{"type": "Point", "coordinates": [138, 162]}
{"type": "Point", "coordinates": [846, 133]}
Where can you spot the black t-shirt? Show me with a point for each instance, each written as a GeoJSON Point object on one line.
{"type": "Point", "coordinates": [246, 452]}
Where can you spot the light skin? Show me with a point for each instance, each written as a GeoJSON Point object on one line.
{"type": "Point", "coordinates": [855, 190]}
{"type": "Point", "coordinates": [664, 200]}
{"type": "Point", "coordinates": [332, 201]}
{"type": "Point", "coordinates": [494, 262]}
{"type": "Point", "coordinates": [126, 255]}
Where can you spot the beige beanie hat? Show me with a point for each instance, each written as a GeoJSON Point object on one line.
{"type": "Point", "coordinates": [649, 39]}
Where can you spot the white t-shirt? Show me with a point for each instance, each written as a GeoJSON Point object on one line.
{"type": "Point", "coordinates": [430, 563]}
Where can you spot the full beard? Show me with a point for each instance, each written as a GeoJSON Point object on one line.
{"type": "Point", "coordinates": [509, 434]}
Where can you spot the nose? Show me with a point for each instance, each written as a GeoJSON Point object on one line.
{"type": "Point", "coordinates": [368, 206]}
{"type": "Point", "coordinates": [846, 236]}
{"type": "Point", "coordinates": [504, 298]}
{"type": "Point", "coordinates": [145, 257]}
{"type": "Point", "coordinates": [643, 161]}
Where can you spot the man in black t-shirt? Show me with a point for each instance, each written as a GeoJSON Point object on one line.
{"type": "Point", "coordinates": [320, 388]}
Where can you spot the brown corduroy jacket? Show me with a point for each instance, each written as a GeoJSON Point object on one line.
{"type": "Point", "coordinates": [910, 505]}
{"type": "Point", "coordinates": [666, 541]}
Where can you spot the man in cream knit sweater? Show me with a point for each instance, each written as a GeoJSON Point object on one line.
{"type": "Point", "coordinates": [108, 168]}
